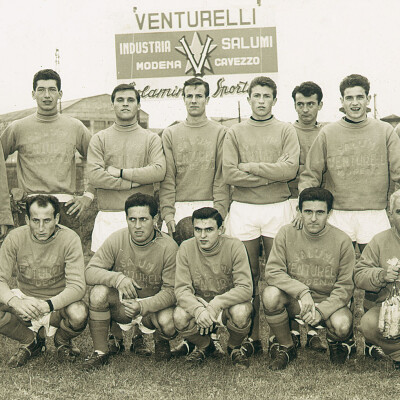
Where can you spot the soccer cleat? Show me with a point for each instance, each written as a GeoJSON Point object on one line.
{"type": "Point", "coordinates": [138, 346]}
{"type": "Point", "coordinates": [95, 360]}
{"type": "Point", "coordinates": [115, 346]}
{"type": "Point", "coordinates": [314, 342]}
{"type": "Point", "coordinates": [238, 357]}
{"type": "Point", "coordinates": [199, 355]}
{"type": "Point", "coordinates": [252, 347]}
{"type": "Point", "coordinates": [376, 352]}
{"type": "Point", "coordinates": [283, 356]}
{"type": "Point", "coordinates": [183, 349]}
{"type": "Point", "coordinates": [273, 344]}
{"type": "Point", "coordinates": [66, 351]}
{"type": "Point", "coordinates": [339, 352]}
{"type": "Point", "coordinates": [162, 350]}
{"type": "Point", "coordinates": [27, 351]}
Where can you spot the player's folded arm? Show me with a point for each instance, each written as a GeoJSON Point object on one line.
{"type": "Point", "coordinates": [368, 271]}
{"type": "Point", "coordinates": [232, 175]}
{"type": "Point", "coordinates": [154, 171]}
{"type": "Point", "coordinates": [97, 171]}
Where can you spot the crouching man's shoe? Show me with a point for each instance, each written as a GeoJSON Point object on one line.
{"type": "Point", "coordinates": [239, 357]}
{"type": "Point", "coordinates": [95, 360]}
{"type": "Point", "coordinates": [66, 351]}
{"type": "Point", "coordinates": [28, 351]}
{"type": "Point", "coordinates": [339, 352]}
{"type": "Point", "coordinates": [284, 355]}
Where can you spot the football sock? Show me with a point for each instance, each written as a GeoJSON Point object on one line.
{"type": "Point", "coordinates": [65, 333]}
{"type": "Point", "coordinates": [255, 320]}
{"type": "Point", "coordinates": [13, 328]}
{"type": "Point", "coordinates": [99, 323]}
{"type": "Point", "coordinates": [193, 336]}
{"type": "Point", "coordinates": [279, 324]}
{"type": "Point", "coordinates": [236, 335]}
{"type": "Point", "coordinates": [116, 330]}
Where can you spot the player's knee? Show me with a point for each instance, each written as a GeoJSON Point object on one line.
{"type": "Point", "coordinates": [368, 327]}
{"type": "Point", "coordinates": [77, 314]}
{"type": "Point", "coordinates": [272, 299]}
{"type": "Point", "coordinates": [240, 314]}
{"type": "Point", "coordinates": [343, 326]}
{"type": "Point", "coordinates": [166, 322]}
{"type": "Point", "coordinates": [99, 296]}
{"type": "Point", "coordinates": [181, 318]}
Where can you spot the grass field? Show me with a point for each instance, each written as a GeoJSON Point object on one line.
{"type": "Point", "coordinates": [128, 376]}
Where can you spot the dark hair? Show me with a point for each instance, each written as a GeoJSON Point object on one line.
{"type": "Point", "coordinates": [197, 82]}
{"type": "Point", "coordinates": [316, 194]}
{"type": "Point", "coordinates": [263, 81]}
{"type": "Point", "coordinates": [42, 200]}
{"type": "Point", "coordinates": [354, 80]}
{"type": "Point", "coordinates": [141, 200]}
{"type": "Point", "coordinates": [45, 75]}
{"type": "Point", "coordinates": [206, 213]}
{"type": "Point", "coordinates": [121, 88]}
{"type": "Point", "coordinates": [307, 89]}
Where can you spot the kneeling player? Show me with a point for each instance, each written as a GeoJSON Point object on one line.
{"type": "Point", "coordinates": [309, 275]}
{"type": "Point", "coordinates": [50, 275]}
{"type": "Point", "coordinates": [213, 286]}
{"type": "Point", "coordinates": [377, 268]}
{"type": "Point", "coordinates": [134, 273]}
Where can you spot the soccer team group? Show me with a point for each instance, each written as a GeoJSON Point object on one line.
{"type": "Point", "coordinates": [308, 192]}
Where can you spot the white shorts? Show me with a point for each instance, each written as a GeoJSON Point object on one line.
{"type": "Point", "coordinates": [136, 321]}
{"type": "Point", "coordinates": [106, 223]}
{"type": "Point", "coordinates": [185, 209]}
{"type": "Point", "coordinates": [37, 323]}
{"type": "Point", "coordinates": [250, 221]}
{"type": "Point", "coordinates": [361, 226]}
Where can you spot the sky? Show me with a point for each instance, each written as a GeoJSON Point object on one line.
{"type": "Point", "coordinates": [319, 40]}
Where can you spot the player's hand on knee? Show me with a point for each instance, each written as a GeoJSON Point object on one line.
{"type": "Point", "coordinates": [171, 226]}
{"type": "Point", "coordinates": [307, 305]}
{"type": "Point", "coordinates": [312, 318]}
{"type": "Point", "coordinates": [127, 288]}
{"type": "Point", "coordinates": [131, 307]}
{"type": "Point", "coordinates": [205, 322]}
{"type": "Point", "coordinates": [27, 308]}
{"type": "Point", "coordinates": [297, 221]}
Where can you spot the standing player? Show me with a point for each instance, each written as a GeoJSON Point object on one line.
{"type": "Point", "coordinates": [310, 275]}
{"type": "Point", "coordinates": [356, 155]}
{"type": "Point", "coordinates": [193, 152]}
{"type": "Point", "coordinates": [122, 159]}
{"type": "Point", "coordinates": [5, 209]}
{"type": "Point", "coordinates": [213, 286]}
{"type": "Point", "coordinates": [51, 283]}
{"type": "Point", "coordinates": [134, 274]}
{"type": "Point", "coordinates": [46, 143]}
{"type": "Point", "coordinates": [376, 270]}
{"type": "Point", "coordinates": [260, 156]}
{"type": "Point", "coordinates": [307, 102]}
